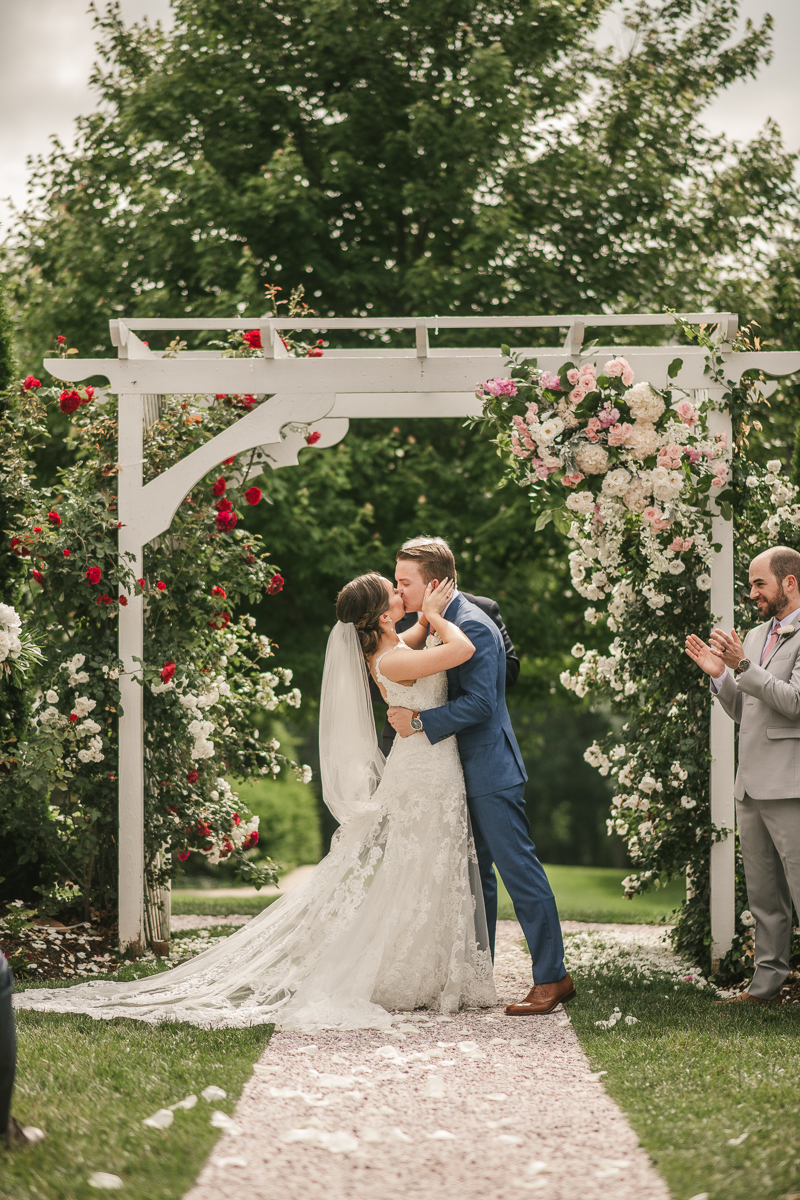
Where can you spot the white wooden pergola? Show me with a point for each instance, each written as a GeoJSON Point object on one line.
{"type": "Point", "coordinates": [326, 392]}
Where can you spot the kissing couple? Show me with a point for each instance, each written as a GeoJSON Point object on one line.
{"type": "Point", "coordinates": [401, 913]}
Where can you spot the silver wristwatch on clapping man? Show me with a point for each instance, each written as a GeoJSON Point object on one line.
{"type": "Point", "coordinates": [742, 665]}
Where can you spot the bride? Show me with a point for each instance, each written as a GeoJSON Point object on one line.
{"type": "Point", "coordinates": [393, 918]}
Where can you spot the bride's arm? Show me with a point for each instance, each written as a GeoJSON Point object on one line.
{"type": "Point", "coordinates": [416, 635]}
{"type": "Point", "coordinates": [455, 650]}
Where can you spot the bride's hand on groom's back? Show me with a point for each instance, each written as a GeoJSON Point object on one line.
{"type": "Point", "coordinates": [437, 598]}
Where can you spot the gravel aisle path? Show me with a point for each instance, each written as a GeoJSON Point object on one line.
{"type": "Point", "coordinates": [481, 1105]}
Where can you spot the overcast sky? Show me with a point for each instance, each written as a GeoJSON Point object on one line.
{"type": "Point", "coordinates": [47, 49]}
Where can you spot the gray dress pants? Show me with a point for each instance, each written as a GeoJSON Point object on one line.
{"type": "Point", "coordinates": [769, 831]}
{"type": "Point", "coordinates": [8, 1044]}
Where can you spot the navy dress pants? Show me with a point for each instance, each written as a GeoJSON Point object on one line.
{"type": "Point", "coordinates": [8, 1044]}
{"type": "Point", "coordinates": [502, 837]}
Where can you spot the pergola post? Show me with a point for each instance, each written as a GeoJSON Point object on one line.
{"type": "Point", "coordinates": [131, 648]}
{"type": "Point", "coordinates": [723, 878]}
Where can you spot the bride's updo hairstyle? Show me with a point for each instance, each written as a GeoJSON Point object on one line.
{"type": "Point", "coordinates": [361, 602]}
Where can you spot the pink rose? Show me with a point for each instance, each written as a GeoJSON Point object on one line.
{"type": "Point", "coordinates": [593, 429]}
{"type": "Point", "coordinates": [532, 411]}
{"type": "Point", "coordinates": [550, 381]}
{"type": "Point", "coordinates": [577, 394]}
{"type": "Point", "coordinates": [628, 376]}
{"type": "Point", "coordinates": [670, 456]}
{"type": "Point", "coordinates": [573, 376]}
{"type": "Point", "coordinates": [615, 367]}
{"type": "Point", "coordinates": [608, 415]}
{"type": "Point", "coordinates": [686, 412]}
{"type": "Point", "coordinates": [619, 434]}
{"type": "Point", "coordinates": [649, 514]}
{"type": "Point", "coordinates": [572, 480]}
{"type": "Point", "coordinates": [678, 544]}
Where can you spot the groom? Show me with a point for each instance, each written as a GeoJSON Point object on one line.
{"type": "Point", "coordinates": [493, 770]}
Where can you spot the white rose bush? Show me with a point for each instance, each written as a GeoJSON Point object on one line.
{"type": "Point", "coordinates": [208, 675]}
{"type": "Point", "coordinates": [631, 476]}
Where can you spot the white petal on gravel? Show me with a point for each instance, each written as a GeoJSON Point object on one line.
{"type": "Point", "coordinates": [737, 1141]}
{"type": "Point", "coordinates": [441, 1135]}
{"type": "Point", "coordinates": [495, 1096]}
{"type": "Point", "coordinates": [607, 1173]}
{"type": "Point", "coordinates": [537, 1167]}
{"type": "Point", "coordinates": [232, 1161]}
{"type": "Point", "coordinates": [397, 1135]}
{"type": "Point", "coordinates": [530, 1185]}
{"type": "Point", "coordinates": [212, 1092]}
{"type": "Point", "coordinates": [435, 1088]}
{"type": "Point", "coordinates": [264, 1069]}
{"type": "Point", "coordinates": [373, 1136]}
{"type": "Point", "coordinates": [221, 1120]}
{"type": "Point", "coordinates": [102, 1179]}
{"type": "Point", "coordinates": [335, 1081]}
{"type": "Point", "coordinates": [387, 1052]}
{"type": "Point", "coordinates": [187, 1102]}
{"type": "Point", "coordinates": [338, 1142]}
{"type": "Point", "coordinates": [160, 1120]}
{"type": "Point", "coordinates": [510, 1139]}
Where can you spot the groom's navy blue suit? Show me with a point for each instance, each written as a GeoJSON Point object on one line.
{"type": "Point", "coordinates": [495, 777]}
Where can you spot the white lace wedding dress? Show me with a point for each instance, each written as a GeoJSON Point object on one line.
{"type": "Point", "coordinates": [391, 920]}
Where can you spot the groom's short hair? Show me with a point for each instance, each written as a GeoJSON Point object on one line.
{"type": "Point", "coordinates": [433, 555]}
{"type": "Point", "coordinates": [783, 561]}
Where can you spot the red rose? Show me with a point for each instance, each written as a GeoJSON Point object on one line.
{"type": "Point", "coordinates": [70, 401]}
{"type": "Point", "coordinates": [219, 487]}
{"type": "Point", "coordinates": [237, 820]}
{"type": "Point", "coordinates": [60, 339]}
{"type": "Point", "coordinates": [251, 840]}
{"type": "Point", "coordinates": [37, 575]}
{"type": "Point", "coordinates": [218, 591]}
{"type": "Point", "coordinates": [192, 776]}
{"type": "Point", "coordinates": [226, 521]}
{"type": "Point", "coordinates": [315, 352]}
{"type": "Point", "coordinates": [183, 855]}
{"type": "Point", "coordinates": [167, 671]}
{"type": "Point", "coordinates": [203, 830]}
{"type": "Point", "coordinates": [123, 600]}
{"type": "Point", "coordinates": [228, 462]}
{"type": "Point", "coordinates": [74, 717]}
{"type": "Point", "coordinates": [223, 506]}
{"type": "Point", "coordinates": [66, 553]}
{"type": "Point", "coordinates": [223, 617]}
{"type": "Point", "coordinates": [162, 587]}
{"type": "Point", "coordinates": [93, 575]}
{"type": "Point", "coordinates": [248, 401]}
{"type": "Point", "coordinates": [54, 519]}
{"type": "Point", "coordinates": [313, 437]}
{"type": "Point", "coordinates": [253, 339]}
{"type": "Point", "coordinates": [29, 384]}
{"type": "Point", "coordinates": [220, 396]}
{"type": "Point", "coordinates": [253, 495]}
{"type": "Point", "coordinates": [227, 847]}
{"type": "Point", "coordinates": [275, 585]}
{"type": "Point", "coordinates": [37, 529]}
{"type": "Point", "coordinates": [89, 395]}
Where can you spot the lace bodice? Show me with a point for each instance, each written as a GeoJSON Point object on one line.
{"type": "Point", "coordinates": [425, 693]}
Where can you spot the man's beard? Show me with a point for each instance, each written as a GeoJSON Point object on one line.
{"type": "Point", "coordinates": [773, 607]}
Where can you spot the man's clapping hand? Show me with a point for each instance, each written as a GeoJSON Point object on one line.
{"type": "Point", "coordinates": [708, 660]}
{"type": "Point", "coordinates": [728, 647]}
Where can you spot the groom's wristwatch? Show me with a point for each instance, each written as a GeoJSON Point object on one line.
{"type": "Point", "coordinates": [742, 665]}
{"type": "Point", "coordinates": [416, 724]}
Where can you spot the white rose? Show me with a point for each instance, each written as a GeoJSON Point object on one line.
{"type": "Point", "coordinates": [704, 582]}
{"type": "Point", "coordinates": [548, 431]}
{"type": "Point", "coordinates": [666, 484]}
{"type": "Point", "coordinates": [51, 697]}
{"type": "Point", "coordinates": [687, 802]}
{"type": "Point", "coordinates": [580, 502]}
{"type": "Point", "coordinates": [88, 726]}
{"type": "Point", "coordinates": [774, 465]}
{"type": "Point", "coordinates": [752, 481]}
{"type": "Point", "coordinates": [616, 482]}
{"type": "Point", "coordinates": [676, 567]}
{"type": "Point", "coordinates": [83, 706]}
{"type": "Point", "coordinates": [578, 650]}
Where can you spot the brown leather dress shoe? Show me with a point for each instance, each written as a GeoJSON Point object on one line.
{"type": "Point", "coordinates": [746, 998]}
{"type": "Point", "coordinates": [543, 998]}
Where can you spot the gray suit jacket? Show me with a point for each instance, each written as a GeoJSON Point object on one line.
{"type": "Point", "coordinates": [765, 700]}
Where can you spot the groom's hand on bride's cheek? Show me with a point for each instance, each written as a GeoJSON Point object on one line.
{"type": "Point", "coordinates": [400, 721]}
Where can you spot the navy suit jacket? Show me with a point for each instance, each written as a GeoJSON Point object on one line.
{"type": "Point", "coordinates": [476, 711]}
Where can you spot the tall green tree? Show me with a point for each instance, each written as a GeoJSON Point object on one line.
{"type": "Point", "coordinates": [399, 156]}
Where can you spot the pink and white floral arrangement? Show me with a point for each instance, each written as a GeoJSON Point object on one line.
{"type": "Point", "coordinates": [623, 468]}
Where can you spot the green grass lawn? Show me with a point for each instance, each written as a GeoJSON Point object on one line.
{"type": "Point", "coordinates": [582, 894]}
{"type": "Point", "coordinates": [90, 1084]}
{"type": "Point", "coordinates": [595, 894]}
{"type": "Point", "coordinates": [691, 1076]}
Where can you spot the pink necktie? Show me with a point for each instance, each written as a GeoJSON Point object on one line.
{"type": "Point", "coordinates": [771, 643]}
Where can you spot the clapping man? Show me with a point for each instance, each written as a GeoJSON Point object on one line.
{"type": "Point", "coordinates": [758, 685]}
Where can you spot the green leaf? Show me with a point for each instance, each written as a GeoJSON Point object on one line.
{"type": "Point", "coordinates": [562, 519]}
{"type": "Point", "coordinates": [543, 519]}
{"type": "Point", "coordinates": [505, 350]}
{"type": "Point", "coordinates": [674, 367]}
{"type": "Point", "coordinates": [726, 510]}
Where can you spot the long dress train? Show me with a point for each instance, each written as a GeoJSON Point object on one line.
{"type": "Point", "coordinates": [391, 920]}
